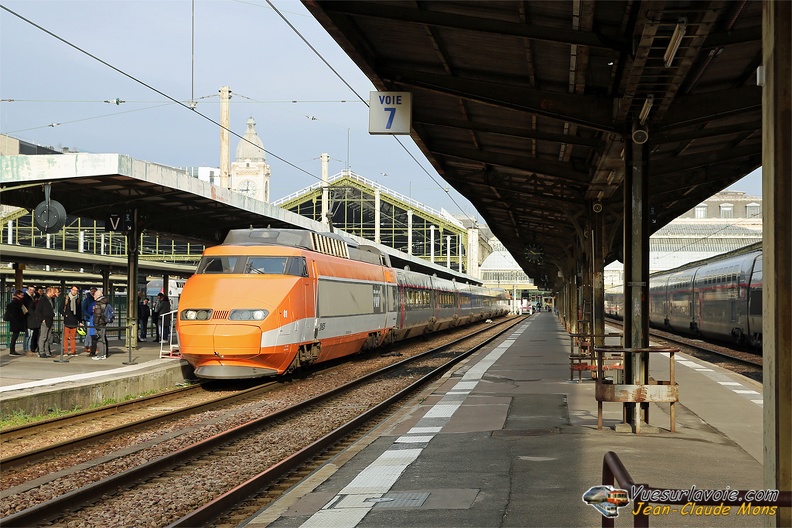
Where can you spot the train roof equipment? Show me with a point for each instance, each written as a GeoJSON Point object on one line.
{"type": "Point", "coordinates": [327, 243]}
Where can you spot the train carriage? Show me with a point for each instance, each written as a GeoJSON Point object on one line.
{"type": "Point", "coordinates": [268, 301]}
{"type": "Point", "coordinates": [720, 299]}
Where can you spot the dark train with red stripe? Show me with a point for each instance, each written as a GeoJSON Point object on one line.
{"type": "Point", "coordinates": [268, 301]}
{"type": "Point", "coordinates": [718, 299]}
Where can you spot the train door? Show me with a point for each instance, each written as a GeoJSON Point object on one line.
{"type": "Point", "coordinates": [755, 302]}
{"type": "Point", "coordinates": [285, 321]}
{"type": "Point", "coordinates": [695, 308]}
{"type": "Point", "coordinates": [309, 326]}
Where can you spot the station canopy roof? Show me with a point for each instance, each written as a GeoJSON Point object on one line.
{"type": "Point", "coordinates": [524, 107]}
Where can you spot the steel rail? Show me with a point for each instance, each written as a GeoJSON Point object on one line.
{"type": "Point", "coordinates": [38, 454]}
{"type": "Point", "coordinates": [231, 498]}
{"type": "Point", "coordinates": [54, 508]}
{"type": "Point", "coordinates": [680, 340]}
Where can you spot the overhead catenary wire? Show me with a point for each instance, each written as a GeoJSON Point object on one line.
{"type": "Point", "coordinates": [152, 88]}
{"type": "Point", "coordinates": [190, 105]}
{"type": "Point", "coordinates": [297, 32]}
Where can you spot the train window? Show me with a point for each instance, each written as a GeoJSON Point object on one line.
{"type": "Point", "coordinates": [297, 266]}
{"type": "Point", "coordinates": [266, 265]}
{"type": "Point", "coordinates": [217, 265]}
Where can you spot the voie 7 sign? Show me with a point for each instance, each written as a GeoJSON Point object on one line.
{"type": "Point", "coordinates": [390, 112]}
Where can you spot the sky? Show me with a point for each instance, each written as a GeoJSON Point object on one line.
{"type": "Point", "coordinates": [160, 52]}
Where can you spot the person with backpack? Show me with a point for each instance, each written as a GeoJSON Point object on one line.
{"type": "Point", "coordinates": [99, 341]}
{"type": "Point", "coordinates": [87, 313]}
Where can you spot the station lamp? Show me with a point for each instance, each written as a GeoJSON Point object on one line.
{"type": "Point", "coordinates": [676, 40]}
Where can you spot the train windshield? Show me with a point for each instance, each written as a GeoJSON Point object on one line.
{"type": "Point", "coordinates": [254, 265]}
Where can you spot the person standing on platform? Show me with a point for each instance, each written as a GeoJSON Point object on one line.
{"type": "Point", "coordinates": [27, 300]}
{"type": "Point", "coordinates": [16, 315]}
{"type": "Point", "coordinates": [144, 312]}
{"type": "Point", "coordinates": [87, 312]}
{"type": "Point", "coordinates": [155, 316]}
{"type": "Point", "coordinates": [34, 323]}
{"type": "Point", "coordinates": [72, 318]}
{"type": "Point", "coordinates": [99, 341]}
{"type": "Point", "coordinates": [45, 312]}
{"type": "Point", "coordinates": [163, 309]}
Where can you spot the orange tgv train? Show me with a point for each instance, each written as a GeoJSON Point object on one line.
{"type": "Point", "coordinates": [268, 301]}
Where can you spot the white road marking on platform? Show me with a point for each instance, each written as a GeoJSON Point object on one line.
{"type": "Point", "coordinates": [730, 383]}
{"type": "Point", "coordinates": [758, 402]}
{"type": "Point", "coordinates": [424, 430]}
{"type": "Point", "coordinates": [704, 370]}
{"type": "Point", "coordinates": [413, 439]}
{"type": "Point", "coordinates": [690, 364]}
{"type": "Point", "coordinates": [744, 391]}
{"type": "Point", "coordinates": [382, 474]}
{"type": "Point", "coordinates": [443, 410]}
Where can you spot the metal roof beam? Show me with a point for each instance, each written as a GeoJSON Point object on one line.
{"type": "Point", "coordinates": [555, 169]}
{"type": "Point", "coordinates": [706, 159]}
{"type": "Point", "coordinates": [701, 133]}
{"type": "Point", "coordinates": [617, 43]}
{"type": "Point", "coordinates": [705, 107]}
{"type": "Point", "coordinates": [587, 110]}
{"type": "Point", "coordinates": [505, 130]}
{"type": "Point", "coordinates": [732, 38]}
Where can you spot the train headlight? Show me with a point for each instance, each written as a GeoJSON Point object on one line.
{"type": "Point", "coordinates": [248, 315]}
{"type": "Point", "coordinates": [196, 315]}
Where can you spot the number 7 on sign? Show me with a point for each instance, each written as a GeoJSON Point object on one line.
{"type": "Point", "coordinates": [392, 111]}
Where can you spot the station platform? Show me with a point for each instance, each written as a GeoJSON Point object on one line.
{"type": "Point", "coordinates": [36, 385]}
{"type": "Point", "coordinates": [507, 440]}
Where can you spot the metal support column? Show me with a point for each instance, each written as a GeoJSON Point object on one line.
{"type": "Point", "coordinates": [636, 274]}
{"type": "Point", "coordinates": [777, 249]}
{"type": "Point", "coordinates": [133, 250]}
{"type": "Point", "coordinates": [598, 277]}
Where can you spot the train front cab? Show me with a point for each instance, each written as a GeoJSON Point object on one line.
{"type": "Point", "coordinates": [241, 315]}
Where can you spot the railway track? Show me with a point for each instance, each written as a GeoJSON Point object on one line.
{"type": "Point", "coordinates": [748, 364]}
{"type": "Point", "coordinates": [173, 470]}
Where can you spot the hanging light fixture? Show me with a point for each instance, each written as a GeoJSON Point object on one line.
{"type": "Point", "coordinates": [676, 40]}
{"type": "Point", "coordinates": [647, 107]}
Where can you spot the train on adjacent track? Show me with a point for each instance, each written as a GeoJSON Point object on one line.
{"type": "Point", "coordinates": [718, 299]}
{"type": "Point", "coordinates": [268, 301]}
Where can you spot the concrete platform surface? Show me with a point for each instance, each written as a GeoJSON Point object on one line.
{"type": "Point", "coordinates": [36, 385]}
{"type": "Point", "coordinates": [507, 440]}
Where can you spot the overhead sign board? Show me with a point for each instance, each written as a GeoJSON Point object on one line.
{"type": "Point", "coordinates": [390, 112]}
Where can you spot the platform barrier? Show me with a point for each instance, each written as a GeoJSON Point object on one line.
{"type": "Point", "coordinates": [581, 354]}
{"type": "Point", "coordinates": [614, 473]}
{"type": "Point", "coordinates": [653, 391]}
{"type": "Point", "coordinates": [170, 349]}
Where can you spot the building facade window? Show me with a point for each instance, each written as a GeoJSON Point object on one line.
{"type": "Point", "coordinates": [701, 211]}
{"type": "Point", "coordinates": [753, 210]}
{"type": "Point", "coordinates": [726, 210]}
